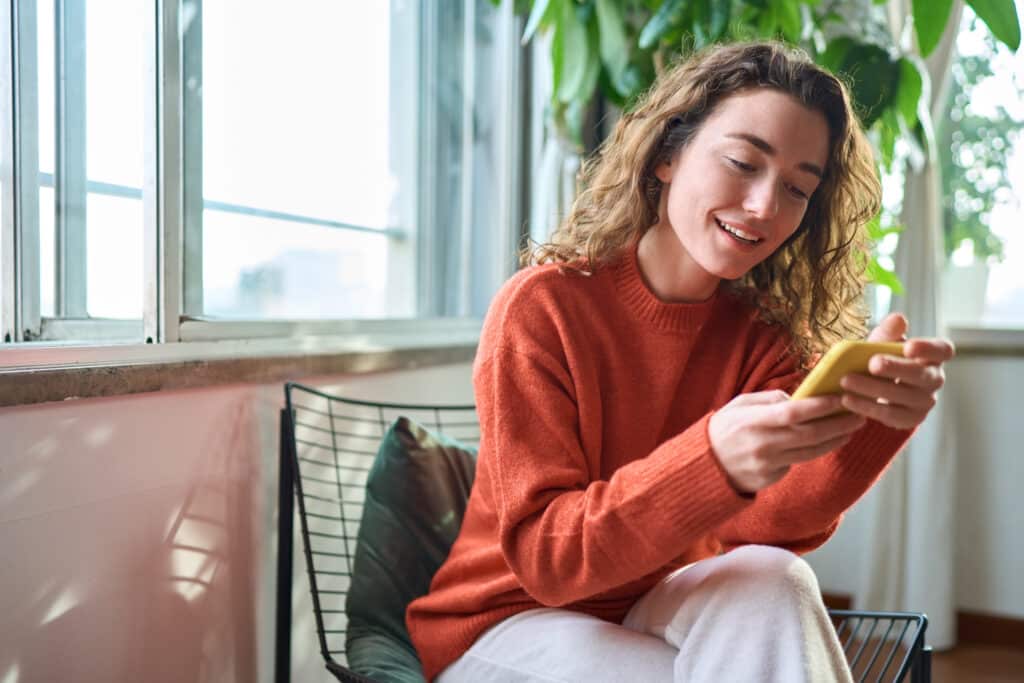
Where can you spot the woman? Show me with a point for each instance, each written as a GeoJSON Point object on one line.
{"type": "Point", "coordinates": [644, 484]}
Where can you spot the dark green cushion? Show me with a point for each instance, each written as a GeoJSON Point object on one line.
{"type": "Point", "coordinates": [415, 498]}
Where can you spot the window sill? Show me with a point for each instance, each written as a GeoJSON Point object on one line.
{"type": "Point", "coordinates": [37, 373]}
{"type": "Point", "coordinates": [987, 341]}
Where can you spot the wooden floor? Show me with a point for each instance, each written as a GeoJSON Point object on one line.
{"type": "Point", "coordinates": [978, 664]}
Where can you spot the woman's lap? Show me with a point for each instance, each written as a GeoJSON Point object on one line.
{"type": "Point", "coordinates": [550, 644]}
{"type": "Point", "coordinates": [752, 614]}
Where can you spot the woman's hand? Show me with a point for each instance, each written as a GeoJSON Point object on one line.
{"type": "Point", "coordinates": [899, 392]}
{"type": "Point", "coordinates": [758, 436]}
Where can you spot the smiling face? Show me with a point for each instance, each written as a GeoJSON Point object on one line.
{"type": "Point", "coordinates": [734, 193]}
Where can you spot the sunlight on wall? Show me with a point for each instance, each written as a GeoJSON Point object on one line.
{"type": "Point", "coordinates": [12, 674]}
{"type": "Point", "coordinates": [64, 603]}
{"type": "Point", "coordinates": [98, 435]}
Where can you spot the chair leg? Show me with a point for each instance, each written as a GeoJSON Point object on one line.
{"type": "Point", "coordinates": [921, 672]}
{"type": "Point", "coordinates": [285, 511]}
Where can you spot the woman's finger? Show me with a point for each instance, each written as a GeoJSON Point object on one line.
{"type": "Point", "coordinates": [796, 455]}
{"type": "Point", "coordinates": [789, 413]}
{"type": "Point", "coordinates": [929, 351]}
{"type": "Point", "coordinates": [895, 416]}
{"type": "Point", "coordinates": [760, 398]}
{"type": "Point", "coordinates": [892, 392]}
{"type": "Point", "coordinates": [814, 432]}
{"type": "Point", "coordinates": [907, 371]}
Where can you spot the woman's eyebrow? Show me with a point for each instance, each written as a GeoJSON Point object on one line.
{"type": "Point", "coordinates": [763, 145]}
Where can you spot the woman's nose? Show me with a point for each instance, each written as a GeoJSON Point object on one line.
{"type": "Point", "coordinates": [762, 200]}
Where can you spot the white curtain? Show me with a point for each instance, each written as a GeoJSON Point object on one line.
{"type": "Point", "coordinates": [909, 561]}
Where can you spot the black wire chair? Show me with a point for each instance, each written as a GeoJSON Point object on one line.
{"type": "Point", "coordinates": [884, 646]}
{"type": "Point", "coordinates": [327, 446]}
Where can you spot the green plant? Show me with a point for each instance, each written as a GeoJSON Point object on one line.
{"type": "Point", "coordinates": [613, 49]}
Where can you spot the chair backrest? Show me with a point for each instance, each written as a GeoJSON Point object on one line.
{"type": "Point", "coordinates": [333, 442]}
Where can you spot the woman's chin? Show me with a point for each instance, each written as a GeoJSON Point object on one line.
{"type": "Point", "coordinates": [728, 271]}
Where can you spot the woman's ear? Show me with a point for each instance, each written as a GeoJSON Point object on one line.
{"type": "Point", "coordinates": [664, 172]}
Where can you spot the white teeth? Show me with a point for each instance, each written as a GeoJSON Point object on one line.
{"type": "Point", "coordinates": [747, 237]}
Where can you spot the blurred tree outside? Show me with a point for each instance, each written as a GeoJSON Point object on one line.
{"type": "Point", "coordinates": [975, 143]}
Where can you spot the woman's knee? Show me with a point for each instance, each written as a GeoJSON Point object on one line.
{"type": "Point", "coordinates": [776, 567]}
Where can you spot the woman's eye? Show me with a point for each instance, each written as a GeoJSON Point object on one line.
{"type": "Point", "coordinates": [797, 192]}
{"type": "Point", "coordinates": [743, 166]}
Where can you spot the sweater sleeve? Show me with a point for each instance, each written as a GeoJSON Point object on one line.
{"type": "Point", "coordinates": [566, 534]}
{"type": "Point", "coordinates": [803, 509]}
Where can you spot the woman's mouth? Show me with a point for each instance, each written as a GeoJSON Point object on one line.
{"type": "Point", "coordinates": [738, 234]}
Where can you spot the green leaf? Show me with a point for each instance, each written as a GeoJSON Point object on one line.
{"type": "Point", "coordinates": [698, 20]}
{"type": "Point", "coordinates": [909, 94]}
{"type": "Point", "coordinates": [557, 58]}
{"type": "Point", "coordinates": [787, 14]}
{"type": "Point", "coordinates": [575, 53]}
{"type": "Point", "coordinates": [635, 81]}
{"type": "Point", "coordinates": [700, 37]}
{"type": "Point", "coordinates": [700, 11]}
{"type": "Point", "coordinates": [769, 20]}
{"type": "Point", "coordinates": [876, 232]}
{"type": "Point", "coordinates": [834, 55]}
{"type": "Point", "coordinates": [614, 45]}
{"type": "Point", "coordinates": [888, 130]}
{"type": "Point", "coordinates": [575, 115]}
{"type": "Point", "coordinates": [593, 69]}
{"type": "Point", "coordinates": [541, 15]}
{"type": "Point", "coordinates": [874, 76]}
{"type": "Point", "coordinates": [884, 277]}
{"type": "Point", "coordinates": [720, 11]}
{"type": "Point", "coordinates": [1001, 18]}
{"type": "Point", "coordinates": [660, 23]}
{"type": "Point", "coordinates": [930, 17]}
{"type": "Point", "coordinates": [874, 226]}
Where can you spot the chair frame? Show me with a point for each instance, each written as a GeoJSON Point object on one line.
{"type": "Point", "coordinates": [290, 491]}
{"type": "Point", "coordinates": [858, 627]}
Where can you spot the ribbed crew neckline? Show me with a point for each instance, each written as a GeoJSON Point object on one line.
{"type": "Point", "coordinates": [664, 315]}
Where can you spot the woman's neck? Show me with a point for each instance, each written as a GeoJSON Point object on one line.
{"type": "Point", "coordinates": [669, 270]}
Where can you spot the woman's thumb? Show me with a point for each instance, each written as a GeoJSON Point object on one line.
{"type": "Point", "coordinates": [892, 328]}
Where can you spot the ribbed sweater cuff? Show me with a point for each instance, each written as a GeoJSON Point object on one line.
{"type": "Point", "coordinates": [686, 485]}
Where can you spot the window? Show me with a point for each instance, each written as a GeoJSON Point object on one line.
{"type": "Point", "coordinates": [326, 162]}
{"type": "Point", "coordinates": [983, 180]}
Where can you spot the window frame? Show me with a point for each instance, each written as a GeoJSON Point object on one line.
{"type": "Point", "coordinates": [20, 168]}
{"type": "Point", "coordinates": [172, 196]}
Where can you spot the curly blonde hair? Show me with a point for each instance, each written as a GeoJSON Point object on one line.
{"type": "Point", "coordinates": [813, 284]}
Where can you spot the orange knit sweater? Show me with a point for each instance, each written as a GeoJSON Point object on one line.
{"type": "Point", "coordinates": [595, 476]}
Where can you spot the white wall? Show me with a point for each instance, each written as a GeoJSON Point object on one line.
{"type": "Point", "coordinates": [987, 396]}
{"type": "Point", "coordinates": [137, 533]}
{"type": "Point", "coordinates": [989, 404]}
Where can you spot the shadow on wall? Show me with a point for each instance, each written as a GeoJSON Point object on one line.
{"type": "Point", "coordinates": [130, 551]}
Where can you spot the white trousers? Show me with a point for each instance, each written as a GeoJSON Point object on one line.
{"type": "Point", "coordinates": [753, 614]}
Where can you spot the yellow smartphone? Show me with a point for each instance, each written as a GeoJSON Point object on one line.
{"type": "Point", "coordinates": [843, 358]}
